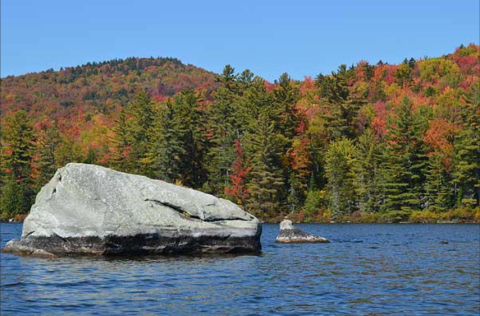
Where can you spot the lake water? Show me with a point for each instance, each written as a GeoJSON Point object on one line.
{"type": "Point", "coordinates": [366, 270]}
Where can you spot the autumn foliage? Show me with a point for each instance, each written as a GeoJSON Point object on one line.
{"type": "Point", "coordinates": [373, 142]}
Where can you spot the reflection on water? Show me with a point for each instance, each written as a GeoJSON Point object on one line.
{"type": "Point", "coordinates": [367, 269]}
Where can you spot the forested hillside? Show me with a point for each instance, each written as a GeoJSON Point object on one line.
{"type": "Point", "coordinates": [368, 143]}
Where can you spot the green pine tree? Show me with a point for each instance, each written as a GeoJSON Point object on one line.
{"type": "Point", "coordinates": [123, 143]}
{"type": "Point", "coordinates": [14, 198]}
{"type": "Point", "coordinates": [192, 123]}
{"type": "Point", "coordinates": [370, 172]}
{"type": "Point", "coordinates": [266, 181]}
{"type": "Point", "coordinates": [17, 149]}
{"type": "Point", "coordinates": [226, 129]}
{"type": "Point", "coordinates": [285, 101]}
{"type": "Point", "coordinates": [48, 144]}
{"type": "Point", "coordinates": [313, 201]}
{"type": "Point", "coordinates": [466, 172]}
{"type": "Point", "coordinates": [340, 107]}
{"type": "Point", "coordinates": [167, 149]}
{"type": "Point", "coordinates": [139, 123]}
{"type": "Point", "coordinates": [405, 160]}
{"type": "Point", "coordinates": [439, 192]}
{"type": "Point", "coordinates": [340, 172]}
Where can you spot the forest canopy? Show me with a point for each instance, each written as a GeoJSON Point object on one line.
{"type": "Point", "coordinates": [366, 143]}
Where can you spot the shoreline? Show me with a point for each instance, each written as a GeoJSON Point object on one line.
{"type": "Point", "coordinates": [334, 223]}
{"type": "Point", "coordinates": [460, 215]}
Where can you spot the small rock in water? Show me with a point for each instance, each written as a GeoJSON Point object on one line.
{"type": "Point", "coordinates": [444, 242]}
{"type": "Point", "coordinates": [289, 234]}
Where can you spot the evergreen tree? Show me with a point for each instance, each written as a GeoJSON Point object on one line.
{"type": "Point", "coordinates": [16, 158]}
{"type": "Point", "coordinates": [335, 87]}
{"type": "Point", "coordinates": [313, 204]}
{"type": "Point", "coordinates": [68, 151]}
{"type": "Point", "coordinates": [192, 131]}
{"type": "Point", "coordinates": [340, 106]}
{"type": "Point", "coordinates": [467, 152]}
{"type": "Point", "coordinates": [91, 157]}
{"type": "Point", "coordinates": [355, 103]}
{"type": "Point", "coordinates": [167, 148]}
{"type": "Point", "coordinates": [14, 198]}
{"type": "Point", "coordinates": [229, 78]}
{"type": "Point", "coordinates": [48, 143]}
{"type": "Point", "coordinates": [139, 123]}
{"type": "Point", "coordinates": [256, 101]}
{"type": "Point", "coordinates": [266, 180]}
{"type": "Point", "coordinates": [246, 78]}
{"type": "Point", "coordinates": [340, 172]}
{"type": "Point", "coordinates": [123, 144]}
{"type": "Point", "coordinates": [226, 130]}
{"type": "Point", "coordinates": [438, 191]}
{"type": "Point", "coordinates": [370, 172]}
{"type": "Point", "coordinates": [405, 159]}
{"type": "Point", "coordinates": [18, 146]}
{"type": "Point", "coordinates": [317, 135]}
{"type": "Point", "coordinates": [285, 101]}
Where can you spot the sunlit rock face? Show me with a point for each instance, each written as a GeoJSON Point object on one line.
{"type": "Point", "coordinates": [289, 234]}
{"type": "Point", "coordinates": [88, 209]}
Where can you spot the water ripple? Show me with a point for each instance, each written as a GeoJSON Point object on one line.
{"type": "Point", "coordinates": [366, 270]}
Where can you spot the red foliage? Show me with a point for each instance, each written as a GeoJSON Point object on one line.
{"type": "Point", "coordinates": [360, 73]}
{"type": "Point", "coordinates": [307, 85]}
{"type": "Point", "coordinates": [299, 157]}
{"type": "Point", "coordinates": [238, 189]}
{"type": "Point", "coordinates": [379, 122]}
{"type": "Point", "coordinates": [269, 86]}
{"type": "Point", "coordinates": [440, 135]}
{"type": "Point", "coordinates": [85, 101]}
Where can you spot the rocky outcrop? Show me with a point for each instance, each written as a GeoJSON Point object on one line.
{"type": "Point", "coordinates": [88, 209]}
{"type": "Point", "coordinates": [289, 234]}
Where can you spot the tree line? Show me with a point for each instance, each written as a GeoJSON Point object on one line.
{"type": "Point", "coordinates": [365, 143]}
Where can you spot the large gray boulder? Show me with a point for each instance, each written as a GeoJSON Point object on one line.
{"type": "Point", "coordinates": [88, 209]}
{"type": "Point", "coordinates": [290, 234]}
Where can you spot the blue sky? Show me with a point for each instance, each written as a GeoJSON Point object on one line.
{"type": "Point", "coordinates": [267, 37]}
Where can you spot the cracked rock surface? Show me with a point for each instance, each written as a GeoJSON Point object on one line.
{"type": "Point", "coordinates": [88, 209]}
{"type": "Point", "coordinates": [289, 234]}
